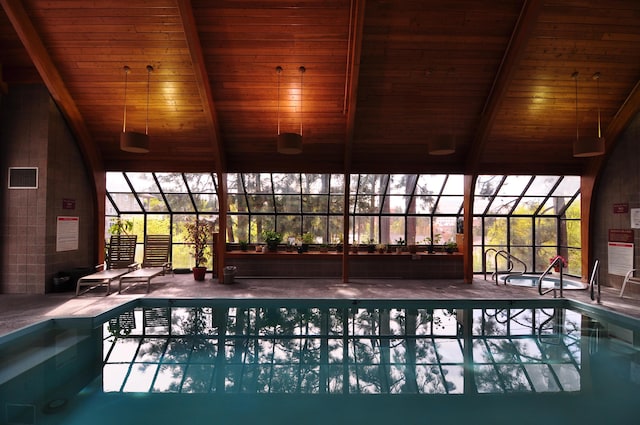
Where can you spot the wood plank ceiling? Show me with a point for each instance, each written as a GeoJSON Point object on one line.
{"type": "Point", "coordinates": [383, 78]}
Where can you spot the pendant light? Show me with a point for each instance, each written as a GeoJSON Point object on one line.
{"type": "Point", "coordinates": [290, 143]}
{"type": "Point", "coordinates": [590, 146]}
{"type": "Point", "coordinates": [132, 141]}
{"type": "Point", "coordinates": [444, 144]}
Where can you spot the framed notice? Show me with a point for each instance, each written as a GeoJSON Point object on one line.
{"type": "Point", "coordinates": [635, 218]}
{"type": "Point", "coordinates": [67, 233]}
{"type": "Point", "coordinates": [620, 258]}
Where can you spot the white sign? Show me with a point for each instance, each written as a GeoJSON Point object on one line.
{"type": "Point", "coordinates": [67, 233]}
{"type": "Point", "coordinates": [635, 218]}
{"type": "Point", "coordinates": [620, 258]}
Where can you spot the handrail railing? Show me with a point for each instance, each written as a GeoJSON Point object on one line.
{"type": "Point", "coordinates": [510, 260]}
{"type": "Point", "coordinates": [484, 266]}
{"type": "Point", "coordinates": [594, 281]}
{"type": "Point", "coordinates": [557, 262]}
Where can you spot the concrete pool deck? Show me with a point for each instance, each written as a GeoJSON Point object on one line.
{"type": "Point", "coordinates": [19, 310]}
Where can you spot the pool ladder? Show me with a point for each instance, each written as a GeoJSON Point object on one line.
{"type": "Point", "coordinates": [558, 263]}
{"type": "Point", "coordinates": [594, 281]}
{"type": "Point", "coordinates": [511, 259]}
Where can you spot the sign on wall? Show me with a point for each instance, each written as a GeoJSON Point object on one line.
{"type": "Point", "coordinates": [67, 233]}
{"type": "Point", "coordinates": [620, 259]}
{"type": "Point", "coordinates": [635, 218]}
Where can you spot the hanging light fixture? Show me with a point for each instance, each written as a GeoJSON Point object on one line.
{"type": "Point", "coordinates": [444, 144]}
{"type": "Point", "coordinates": [290, 143]}
{"type": "Point", "coordinates": [590, 146]}
{"type": "Point", "coordinates": [132, 141]}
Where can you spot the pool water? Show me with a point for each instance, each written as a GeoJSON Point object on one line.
{"type": "Point", "coordinates": [531, 280]}
{"type": "Point", "coordinates": [318, 362]}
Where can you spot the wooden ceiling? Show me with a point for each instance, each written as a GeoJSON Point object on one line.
{"type": "Point", "coordinates": [382, 79]}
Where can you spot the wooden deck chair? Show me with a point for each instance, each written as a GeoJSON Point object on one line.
{"type": "Point", "coordinates": [156, 252]}
{"type": "Point", "coordinates": [122, 252]}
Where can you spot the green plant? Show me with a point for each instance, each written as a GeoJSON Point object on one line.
{"type": "Point", "coordinates": [120, 226]}
{"type": "Point", "coordinates": [451, 246]}
{"type": "Point", "coordinates": [244, 245]}
{"type": "Point", "coordinates": [400, 241]}
{"type": "Point", "coordinates": [199, 234]}
{"type": "Point", "coordinates": [308, 238]}
{"type": "Point", "coordinates": [433, 241]}
{"type": "Point", "coordinates": [272, 238]}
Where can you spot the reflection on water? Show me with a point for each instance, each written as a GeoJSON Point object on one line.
{"type": "Point", "coordinates": [342, 350]}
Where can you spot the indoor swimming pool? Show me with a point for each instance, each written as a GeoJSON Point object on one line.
{"type": "Point", "coordinates": [158, 361]}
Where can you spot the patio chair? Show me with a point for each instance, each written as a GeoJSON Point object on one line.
{"type": "Point", "coordinates": [629, 278]}
{"type": "Point", "coordinates": [119, 261]}
{"type": "Point", "coordinates": [156, 252]}
{"type": "Point", "coordinates": [121, 252]}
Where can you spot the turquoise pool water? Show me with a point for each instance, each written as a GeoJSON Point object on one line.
{"type": "Point", "coordinates": [531, 280]}
{"type": "Point", "coordinates": [551, 361]}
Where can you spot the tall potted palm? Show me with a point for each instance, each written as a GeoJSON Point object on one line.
{"type": "Point", "coordinates": [199, 235]}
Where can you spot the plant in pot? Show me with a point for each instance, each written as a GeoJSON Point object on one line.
{"type": "Point", "coordinates": [451, 247]}
{"type": "Point", "coordinates": [199, 233]}
{"type": "Point", "coordinates": [244, 245]}
{"type": "Point", "coordinates": [307, 239]}
{"type": "Point", "coordinates": [431, 242]}
{"type": "Point", "coordinates": [272, 239]}
{"type": "Point", "coordinates": [400, 242]}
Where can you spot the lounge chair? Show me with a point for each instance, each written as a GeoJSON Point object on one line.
{"type": "Point", "coordinates": [119, 261]}
{"type": "Point", "coordinates": [156, 252]}
{"type": "Point", "coordinates": [154, 263]}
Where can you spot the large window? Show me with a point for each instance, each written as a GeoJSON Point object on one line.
{"type": "Point", "coordinates": [532, 218]}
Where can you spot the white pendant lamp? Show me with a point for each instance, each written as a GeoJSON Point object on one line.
{"type": "Point", "coordinates": [132, 141]}
{"type": "Point", "coordinates": [290, 143]}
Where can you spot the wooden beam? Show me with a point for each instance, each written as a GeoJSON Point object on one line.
{"type": "Point", "coordinates": [515, 50]}
{"type": "Point", "coordinates": [202, 80]}
{"type": "Point", "coordinates": [356, 25]}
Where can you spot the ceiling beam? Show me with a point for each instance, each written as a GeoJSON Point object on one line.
{"type": "Point", "coordinates": [508, 67]}
{"type": "Point", "coordinates": [56, 86]}
{"type": "Point", "coordinates": [356, 25]}
{"type": "Point", "coordinates": [202, 81]}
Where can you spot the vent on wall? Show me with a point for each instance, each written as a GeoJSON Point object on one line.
{"type": "Point", "coordinates": [23, 177]}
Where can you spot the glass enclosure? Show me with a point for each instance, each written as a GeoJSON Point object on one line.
{"type": "Point", "coordinates": [534, 218]}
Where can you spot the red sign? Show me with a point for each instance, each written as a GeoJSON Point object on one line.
{"type": "Point", "coordinates": [622, 208]}
{"type": "Point", "coordinates": [68, 204]}
{"type": "Point", "coordinates": [621, 235]}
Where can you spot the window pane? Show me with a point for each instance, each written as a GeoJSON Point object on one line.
{"type": "Point", "coordinates": [288, 204]}
{"type": "Point", "coordinates": [502, 205]}
{"type": "Point", "coordinates": [568, 186]}
{"type": "Point", "coordinates": [152, 202]}
{"type": "Point", "coordinates": [337, 184]}
{"type": "Point", "coordinates": [117, 183]}
{"type": "Point", "coordinates": [258, 182]}
{"type": "Point", "coordinates": [171, 182]}
{"type": "Point", "coordinates": [401, 184]}
{"type": "Point", "coordinates": [528, 206]}
{"type": "Point", "coordinates": [201, 182]}
{"type": "Point", "coordinates": [261, 203]}
{"type": "Point", "coordinates": [546, 231]}
{"type": "Point", "coordinates": [238, 228]}
{"type": "Point", "coordinates": [315, 203]}
{"type": "Point", "coordinates": [289, 226]}
{"type": "Point", "coordinates": [317, 225]}
{"type": "Point", "coordinates": [206, 202]}
{"type": "Point", "coordinates": [487, 185]}
{"type": "Point", "coordinates": [286, 183]}
{"type": "Point", "coordinates": [449, 205]}
{"type": "Point", "coordinates": [158, 224]}
{"type": "Point", "coordinates": [423, 204]}
{"type": "Point", "coordinates": [237, 203]}
{"type": "Point", "coordinates": [430, 184]}
{"type": "Point", "coordinates": [143, 182]}
{"type": "Point", "coordinates": [337, 204]}
{"type": "Point", "coordinates": [180, 203]}
{"type": "Point", "coordinates": [446, 227]}
{"type": "Point", "coordinates": [365, 228]}
{"type": "Point", "coordinates": [397, 204]}
{"type": "Point", "coordinates": [541, 185]}
{"type": "Point", "coordinates": [126, 202]}
{"type": "Point", "coordinates": [495, 232]}
{"type": "Point", "coordinates": [258, 224]}
{"type": "Point", "coordinates": [392, 228]}
{"type": "Point", "coordinates": [514, 185]}
{"type": "Point", "coordinates": [454, 185]}
{"type": "Point", "coordinates": [521, 231]}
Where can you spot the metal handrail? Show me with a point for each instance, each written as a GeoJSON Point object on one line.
{"type": "Point", "coordinates": [594, 281]}
{"type": "Point", "coordinates": [510, 259]}
{"type": "Point", "coordinates": [484, 266]}
{"type": "Point", "coordinates": [557, 262]}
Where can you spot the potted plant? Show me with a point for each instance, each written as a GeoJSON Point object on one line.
{"type": "Point", "coordinates": [272, 239]}
{"type": "Point", "coordinates": [354, 247]}
{"type": "Point", "coordinates": [199, 233]}
{"type": "Point", "coordinates": [451, 247]}
{"type": "Point", "coordinates": [244, 245]}
{"type": "Point", "coordinates": [307, 239]}
{"type": "Point", "coordinates": [381, 248]}
{"type": "Point", "coordinates": [371, 246]}
{"type": "Point", "coordinates": [400, 242]}
{"type": "Point", "coordinates": [431, 242]}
